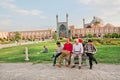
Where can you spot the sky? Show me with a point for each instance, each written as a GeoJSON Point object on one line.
{"type": "Point", "coordinates": [22, 15]}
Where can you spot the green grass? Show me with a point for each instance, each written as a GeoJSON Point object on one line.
{"type": "Point", "coordinates": [16, 54]}
{"type": "Point", "coordinates": [105, 54]}
{"type": "Point", "coordinates": [108, 54]}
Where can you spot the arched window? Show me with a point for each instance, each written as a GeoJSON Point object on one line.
{"type": "Point", "coordinates": [62, 31]}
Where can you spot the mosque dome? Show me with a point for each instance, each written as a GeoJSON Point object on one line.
{"type": "Point", "coordinates": [97, 20]}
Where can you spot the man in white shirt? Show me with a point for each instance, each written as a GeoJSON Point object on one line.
{"type": "Point", "coordinates": [77, 52]}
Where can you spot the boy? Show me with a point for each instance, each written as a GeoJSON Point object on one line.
{"type": "Point", "coordinates": [90, 51]}
{"type": "Point", "coordinates": [58, 52]}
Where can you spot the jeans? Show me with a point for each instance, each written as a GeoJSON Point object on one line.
{"type": "Point", "coordinates": [91, 58]}
{"type": "Point", "coordinates": [55, 57]}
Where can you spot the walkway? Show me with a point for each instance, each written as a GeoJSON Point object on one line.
{"type": "Point", "coordinates": [29, 71]}
{"type": "Point", "coordinates": [23, 43]}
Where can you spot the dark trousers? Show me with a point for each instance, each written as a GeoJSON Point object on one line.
{"type": "Point", "coordinates": [55, 57]}
{"type": "Point", "coordinates": [91, 58]}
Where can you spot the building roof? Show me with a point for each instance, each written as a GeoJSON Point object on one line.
{"type": "Point", "coordinates": [109, 25]}
{"type": "Point", "coordinates": [96, 20]}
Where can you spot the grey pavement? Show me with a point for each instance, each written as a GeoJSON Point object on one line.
{"type": "Point", "coordinates": [29, 71]}
{"type": "Point", "coordinates": [18, 44]}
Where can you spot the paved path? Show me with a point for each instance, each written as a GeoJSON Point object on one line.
{"type": "Point", "coordinates": [29, 71]}
{"type": "Point", "coordinates": [22, 43]}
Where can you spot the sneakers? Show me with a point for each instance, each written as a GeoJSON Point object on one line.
{"type": "Point", "coordinates": [67, 65]}
{"type": "Point", "coordinates": [90, 67]}
{"type": "Point", "coordinates": [79, 67]}
{"type": "Point", "coordinates": [73, 66]}
{"type": "Point", "coordinates": [53, 64]}
{"type": "Point", "coordinates": [59, 65]}
{"type": "Point", "coordinates": [96, 62]}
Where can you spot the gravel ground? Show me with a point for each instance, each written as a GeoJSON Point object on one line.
{"type": "Point", "coordinates": [29, 71]}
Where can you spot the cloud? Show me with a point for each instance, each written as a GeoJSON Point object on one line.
{"type": "Point", "coordinates": [8, 4]}
{"type": "Point", "coordinates": [36, 12]}
{"type": "Point", "coordinates": [106, 9]}
{"type": "Point", "coordinates": [43, 17]}
{"type": "Point", "coordinates": [100, 2]}
{"type": "Point", "coordinates": [33, 12]}
{"type": "Point", "coordinates": [6, 23]}
{"type": "Point", "coordinates": [85, 1]}
{"type": "Point", "coordinates": [4, 16]}
{"type": "Point", "coordinates": [20, 11]}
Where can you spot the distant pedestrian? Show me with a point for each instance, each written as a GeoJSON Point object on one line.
{"type": "Point", "coordinates": [84, 56]}
{"type": "Point", "coordinates": [90, 51]}
{"type": "Point", "coordinates": [45, 50]}
{"type": "Point", "coordinates": [80, 40]}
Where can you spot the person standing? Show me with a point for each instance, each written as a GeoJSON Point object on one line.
{"type": "Point", "coordinates": [80, 40]}
{"type": "Point", "coordinates": [58, 52]}
{"type": "Point", "coordinates": [77, 52]}
{"type": "Point", "coordinates": [66, 52]}
{"type": "Point", "coordinates": [90, 51]}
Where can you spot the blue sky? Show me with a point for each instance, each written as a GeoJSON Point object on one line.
{"type": "Point", "coordinates": [18, 15]}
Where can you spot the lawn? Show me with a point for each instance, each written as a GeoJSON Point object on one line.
{"type": "Point", "coordinates": [108, 54]}
{"type": "Point", "coordinates": [105, 54]}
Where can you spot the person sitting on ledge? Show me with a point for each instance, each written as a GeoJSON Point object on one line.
{"type": "Point", "coordinates": [45, 50]}
{"type": "Point", "coordinates": [77, 52]}
{"type": "Point", "coordinates": [65, 53]}
{"type": "Point", "coordinates": [90, 50]}
{"type": "Point", "coordinates": [58, 52]}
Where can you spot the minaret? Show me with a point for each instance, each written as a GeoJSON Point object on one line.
{"type": "Point", "coordinates": [57, 20]}
{"type": "Point", "coordinates": [83, 23]}
{"type": "Point", "coordinates": [57, 28]}
{"type": "Point", "coordinates": [93, 17]}
{"type": "Point", "coordinates": [67, 18]}
{"type": "Point", "coordinates": [67, 24]}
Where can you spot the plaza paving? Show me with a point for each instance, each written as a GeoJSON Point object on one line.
{"type": "Point", "coordinates": [29, 71]}
{"type": "Point", "coordinates": [18, 44]}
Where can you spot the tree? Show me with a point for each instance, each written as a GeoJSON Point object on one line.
{"type": "Point", "coordinates": [108, 35]}
{"type": "Point", "coordinates": [17, 36]}
{"type": "Point", "coordinates": [55, 36]}
{"type": "Point", "coordinates": [115, 35]}
{"type": "Point", "coordinates": [90, 35]}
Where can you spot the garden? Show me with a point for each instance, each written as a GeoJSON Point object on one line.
{"type": "Point", "coordinates": [108, 51]}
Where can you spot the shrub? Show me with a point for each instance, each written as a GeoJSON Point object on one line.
{"type": "Point", "coordinates": [3, 39]}
{"type": "Point", "coordinates": [90, 35]}
{"type": "Point", "coordinates": [96, 43]}
{"type": "Point", "coordinates": [6, 42]}
{"type": "Point", "coordinates": [115, 35]}
{"type": "Point", "coordinates": [61, 38]}
{"type": "Point", "coordinates": [30, 39]}
{"type": "Point", "coordinates": [74, 37]}
{"type": "Point", "coordinates": [114, 43]}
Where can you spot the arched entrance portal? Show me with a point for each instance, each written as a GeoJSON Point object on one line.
{"type": "Point", "coordinates": [62, 31]}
